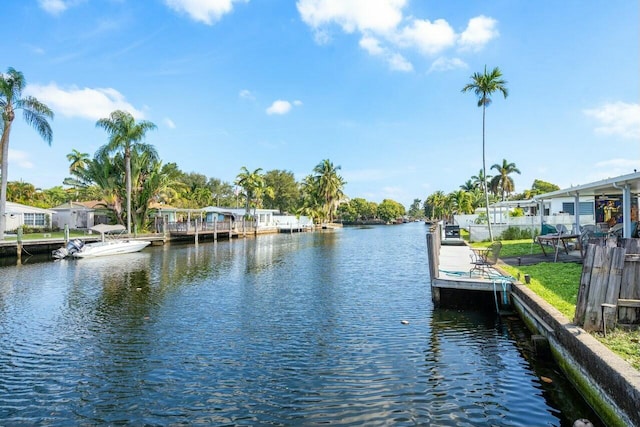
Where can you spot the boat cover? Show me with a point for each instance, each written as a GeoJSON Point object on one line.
{"type": "Point", "coordinates": [104, 228]}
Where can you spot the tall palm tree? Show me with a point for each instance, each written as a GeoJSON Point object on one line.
{"type": "Point", "coordinates": [503, 182]}
{"type": "Point", "coordinates": [329, 186]}
{"type": "Point", "coordinates": [78, 160]}
{"type": "Point", "coordinates": [252, 183]}
{"type": "Point", "coordinates": [125, 134]}
{"type": "Point", "coordinates": [78, 165]}
{"type": "Point", "coordinates": [34, 112]}
{"type": "Point", "coordinates": [484, 85]}
{"type": "Point", "coordinates": [435, 205]}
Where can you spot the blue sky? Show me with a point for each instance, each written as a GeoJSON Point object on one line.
{"type": "Point", "coordinates": [372, 85]}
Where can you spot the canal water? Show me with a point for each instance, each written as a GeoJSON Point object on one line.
{"type": "Point", "coordinates": [331, 327]}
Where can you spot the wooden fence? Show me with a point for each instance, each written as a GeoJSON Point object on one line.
{"type": "Point", "coordinates": [609, 284]}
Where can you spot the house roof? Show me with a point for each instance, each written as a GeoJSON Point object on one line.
{"type": "Point", "coordinates": [17, 208]}
{"type": "Point", "coordinates": [607, 186]}
{"type": "Point", "coordinates": [71, 205]}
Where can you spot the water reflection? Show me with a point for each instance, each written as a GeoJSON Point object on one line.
{"type": "Point", "coordinates": [282, 329]}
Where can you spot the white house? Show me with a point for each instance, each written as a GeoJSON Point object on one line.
{"type": "Point", "coordinates": [18, 215]}
{"type": "Point", "coordinates": [601, 203]}
{"type": "Point", "coordinates": [73, 215]}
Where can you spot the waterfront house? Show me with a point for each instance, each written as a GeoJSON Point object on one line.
{"type": "Point", "coordinates": [601, 203]}
{"type": "Point", "coordinates": [18, 215]}
{"type": "Point", "coordinates": [73, 215]}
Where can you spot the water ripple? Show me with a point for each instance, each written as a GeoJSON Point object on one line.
{"type": "Point", "coordinates": [281, 330]}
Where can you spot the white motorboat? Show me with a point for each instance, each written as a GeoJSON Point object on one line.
{"type": "Point", "coordinates": [110, 244]}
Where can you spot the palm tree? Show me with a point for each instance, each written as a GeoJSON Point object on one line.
{"type": "Point", "coordinates": [479, 181]}
{"type": "Point", "coordinates": [469, 185]}
{"type": "Point", "coordinates": [484, 85]}
{"type": "Point", "coordinates": [76, 168]}
{"type": "Point", "coordinates": [125, 134]}
{"type": "Point", "coordinates": [462, 202]}
{"type": "Point", "coordinates": [252, 183]}
{"type": "Point", "coordinates": [34, 112]}
{"type": "Point", "coordinates": [503, 182]}
{"type": "Point", "coordinates": [435, 205]}
{"type": "Point", "coordinates": [329, 186]}
{"type": "Point", "coordinates": [78, 160]}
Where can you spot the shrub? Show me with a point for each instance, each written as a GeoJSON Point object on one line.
{"type": "Point", "coordinates": [515, 233]}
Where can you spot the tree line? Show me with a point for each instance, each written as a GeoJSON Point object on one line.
{"type": "Point", "coordinates": [129, 179]}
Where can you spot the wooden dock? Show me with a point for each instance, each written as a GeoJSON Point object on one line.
{"type": "Point", "coordinates": [452, 278]}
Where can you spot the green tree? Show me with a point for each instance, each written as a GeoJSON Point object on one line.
{"type": "Point", "coordinates": [20, 192]}
{"type": "Point", "coordinates": [125, 134]}
{"type": "Point", "coordinates": [390, 210]}
{"type": "Point", "coordinates": [222, 192]}
{"type": "Point", "coordinates": [55, 196]}
{"type": "Point", "coordinates": [461, 202]}
{"type": "Point", "coordinates": [195, 192]}
{"type": "Point", "coordinates": [329, 187]}
{"type": "Point", "coordinates": [106, 174]}
{"type": "Point", "coordinates": [78, 163]}
{"type": "Point", "coordinates": [311, 204]}
{"type": "Point", "coordinates": [254, 187]}
{"type": "Point", "coordinates": [541, 187]}
{"type": "Point", "coordinates": [34, 112]}
{"type": "Point", "coordinates": [484, 85]}
{"type": "Point", "coordinates": [434, 206]}
{"type": "Point", "coordinates": [479, 181]}
{"type": "Point", "coordinates": [414, 209]}
{"type": "Point", "coordinates": [503, 183]}
{"type": "Point", "coordinates": [286, 191]}
{"type": "Point", "coordinates": [469, 185]}
{"type": "Point", "coordinates": [358, 209]}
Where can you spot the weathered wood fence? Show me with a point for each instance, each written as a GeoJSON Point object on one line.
{"type": "Point", "coordinates": [609, 284]}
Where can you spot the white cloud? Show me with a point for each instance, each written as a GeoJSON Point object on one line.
{"type": "Point", "coordinates": [170, 124]}
{"type": "Point", "coordinates": [205, 11]}
{"type": "Point", "coordinates": [429, 37]}
{"type": "Point", "coordinates": [398, 62]}
{"type": "Point", "coordinates": [20, 158]}
{"type": "Point", "coordinates": [53, 7]}
{"type": "Point", "coordinates": [87, 103]}
{"type": "Point", "coordinates": [297, 103]}
{"type": "Point", "coordinates": [446, 64]}
{"type": "Point", "coordinates": [480, 31]}
{"type": "Point", "coordinates": [371, 45]}
{"type": "Point", "coordinates": [395, 60]}
{"type": "Point", "coordinates": [279, 107]}
{"type": "Point", "coordinates": [246, 94]}
{"type": "Point", "coordinates": [385, 32]}
{"type": "Point", "coordinates": [352, 15]}
{"type": "Point", "coordinates": [56, 7]}
{"type": "Point", "coordinates": [617, 118]}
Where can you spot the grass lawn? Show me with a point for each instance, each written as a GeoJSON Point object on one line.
{"type": "Point", "coordinates": [49, 235]}
{"type": "Point", "coordinates": [557, 283]}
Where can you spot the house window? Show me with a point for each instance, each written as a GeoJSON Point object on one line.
{"type": "Point", "coordinates": [34, 219]}
{"type": "Point", "coordinates": [584, 208]}
{"type": "Point", "coordinates": [568, 208]}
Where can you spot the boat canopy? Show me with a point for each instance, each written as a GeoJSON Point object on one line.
{"type": "Point", "coordinates": [104, 228]}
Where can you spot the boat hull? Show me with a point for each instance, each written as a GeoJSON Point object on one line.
{"type": "Point", "coordinates": [109, 248]}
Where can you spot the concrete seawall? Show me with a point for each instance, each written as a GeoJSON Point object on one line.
{"type": "Point", "coordinates": [607, 382]}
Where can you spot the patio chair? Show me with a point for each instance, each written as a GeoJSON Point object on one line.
{"type": "Point", "coordinates": [486, 261]}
